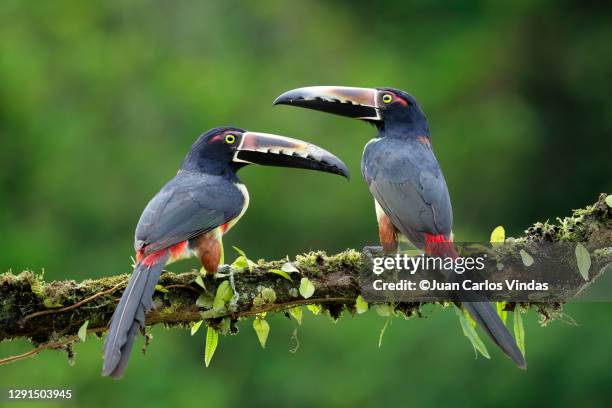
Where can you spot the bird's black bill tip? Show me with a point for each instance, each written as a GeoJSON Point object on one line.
{"type": "Point", "coordinates": [283, 160]}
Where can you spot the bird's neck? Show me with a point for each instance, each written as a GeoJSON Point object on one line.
{"type": "Point", "coordinates": [404, 132]}
{"type": "Point", "coordinates": [407, 127]}
{"type": "Point", "coordinates": [210, 162]}
{"type": "Point", "coordinates": [210, 168]}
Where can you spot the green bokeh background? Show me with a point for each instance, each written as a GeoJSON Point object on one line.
{"type": "Point", "coordinates": [99, 101]}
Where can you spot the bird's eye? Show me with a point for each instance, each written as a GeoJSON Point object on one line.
{"type": "Point", "coordinates": [230, 139]}
{"type": "Point", "coordinates": [387, 98]}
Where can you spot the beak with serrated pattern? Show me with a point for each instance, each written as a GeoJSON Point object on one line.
{"type": "Point", "coordinates": [274, 150]}
{"type": "Point", "coordinates": [357, 103]}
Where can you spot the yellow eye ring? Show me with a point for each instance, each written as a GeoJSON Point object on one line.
{"type": "Point", "coordinates": [230, 139]}
{"type": "Point", "coordinates": [387, 98]}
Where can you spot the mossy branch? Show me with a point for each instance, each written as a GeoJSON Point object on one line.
{"type": "Point", "coordinates": [51, 313]}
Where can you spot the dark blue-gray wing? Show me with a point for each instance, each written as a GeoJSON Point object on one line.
{"type": "Point", "coordinates": [409, 186]}
{"type": "Point", "coordinates": [188, 205]}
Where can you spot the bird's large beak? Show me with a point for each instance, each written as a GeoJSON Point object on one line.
{"type": "Point", "coordinates": [274, 150]}
{"type": "Point", "coordinates": [358, 103]}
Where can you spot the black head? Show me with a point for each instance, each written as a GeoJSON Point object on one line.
{"type": "Point", "coordinates": [224, 150]}
{"type": "Point", "coordinates": [394, 112]}
{"type": "Point", "coordinates": [213, 151]}
{"type": "Point", "coordinates": [400, 111]}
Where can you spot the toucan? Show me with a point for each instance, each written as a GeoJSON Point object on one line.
{"type": "Point", "coordinates": [410, 194]}
{"type": "Point", "coordinates": [190, 214]}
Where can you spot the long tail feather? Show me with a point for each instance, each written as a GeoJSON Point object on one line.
{"type": "Point", "coordinates": [129, 316]}
{"type": "Point", "coordinates": [487, 318]}
{"type": "Point", "coordinates": [482, 312]}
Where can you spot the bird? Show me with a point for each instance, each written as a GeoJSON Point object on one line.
{"type": "Point", "coordinates": [403, 175]}
{"type": "Point", "coordinates": [191, 213]}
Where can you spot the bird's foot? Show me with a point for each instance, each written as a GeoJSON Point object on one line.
{"type": "Point", "coordinates": [227, 271]}
{"type": "Point", "coordinates": [373, 250]}
{"type": "Point", "coordinates": [223, 271]}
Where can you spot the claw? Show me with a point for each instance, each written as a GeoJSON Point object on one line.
{"type": "Point", "coordinates": [227, 271]}
{"type": "Point", "coordinates": [234, 300]}
{"type": "Point", "coordinates": [223, 271]}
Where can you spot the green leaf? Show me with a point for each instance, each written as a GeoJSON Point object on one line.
{"type": "Point", "coordinates": [245, 262]}
{"type": "Point", "coordinates": [498, 235]}
{"type": "Point", "coordinates": [160, 288]}
{"type": "Point", "coordinates": [361, 306]}
{"type": "Point", "coordinates": [289, 268]}
{"type": "Point", "coordinates": [315, 309]}
{"type": "Point", "coordinates": [609, 200]}
{"type": "Point", "coordinates": [519, 330]}
{"type": "Point", "coordinates": [204, 300]}
{"type": "Point", "coordinates": [383, 309]}
{"type": "Point", "coordinates": [470, 332]}
{"type": "Point", "coordinates": [382, 332]}
{"type": "Point", "coordinates": [225, 325]}
{"type": "Point", "coordinates": [307, 289]}
{"type": "Point", "coordinates": [83, 331]}
{"type": "Point", "coordinates": [584, 260]}
{"type": "Point", "coordinates": [240, 251]}
{"type": "Point", "coordinates": [212, 340]}
{"type": "Point", "coordinates": [503, 314]}
{"type": "Point", "coordinates": [469, 318]}
{"type": "Point", "coordinates": [296, 313]}
{"type": "Point", "coordinates": [196, 326]}
{"type": "Point", "coordinates": [223, 295]}
{"type": "Point", "coordinates": [526, 258]}
{"type": "Point", "coordinates": [281, 273]}
{"type": "Point", "coordinates": [200, 281]}
{"type": "Point", "coordinates": [262, 329]}
{"type": "Point", "coordinates": [240, 263]}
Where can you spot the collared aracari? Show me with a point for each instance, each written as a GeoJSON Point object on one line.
{"type": "Point", "coordinates": [403, 175]}
{"type": "Point", "coordinates": [190, 214]}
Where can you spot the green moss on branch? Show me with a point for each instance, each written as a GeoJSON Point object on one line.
{"type": "Point", "coordinates": [52, 312]}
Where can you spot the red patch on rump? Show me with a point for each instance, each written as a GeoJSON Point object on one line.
{"type": "Point", "coordinates": [154, 257]}
{"type": "Point", "coordinates": [439, 245]}
{"type": "Point", "coordinates": [178, 249]}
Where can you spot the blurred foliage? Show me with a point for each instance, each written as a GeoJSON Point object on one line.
{"type": "Point", "coordinates": [99, 101]}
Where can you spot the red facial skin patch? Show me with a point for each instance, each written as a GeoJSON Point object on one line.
{"type": "Point", "coordinates": [399, 98]}
{"type": "Point", "coordinates": [216, 138]}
